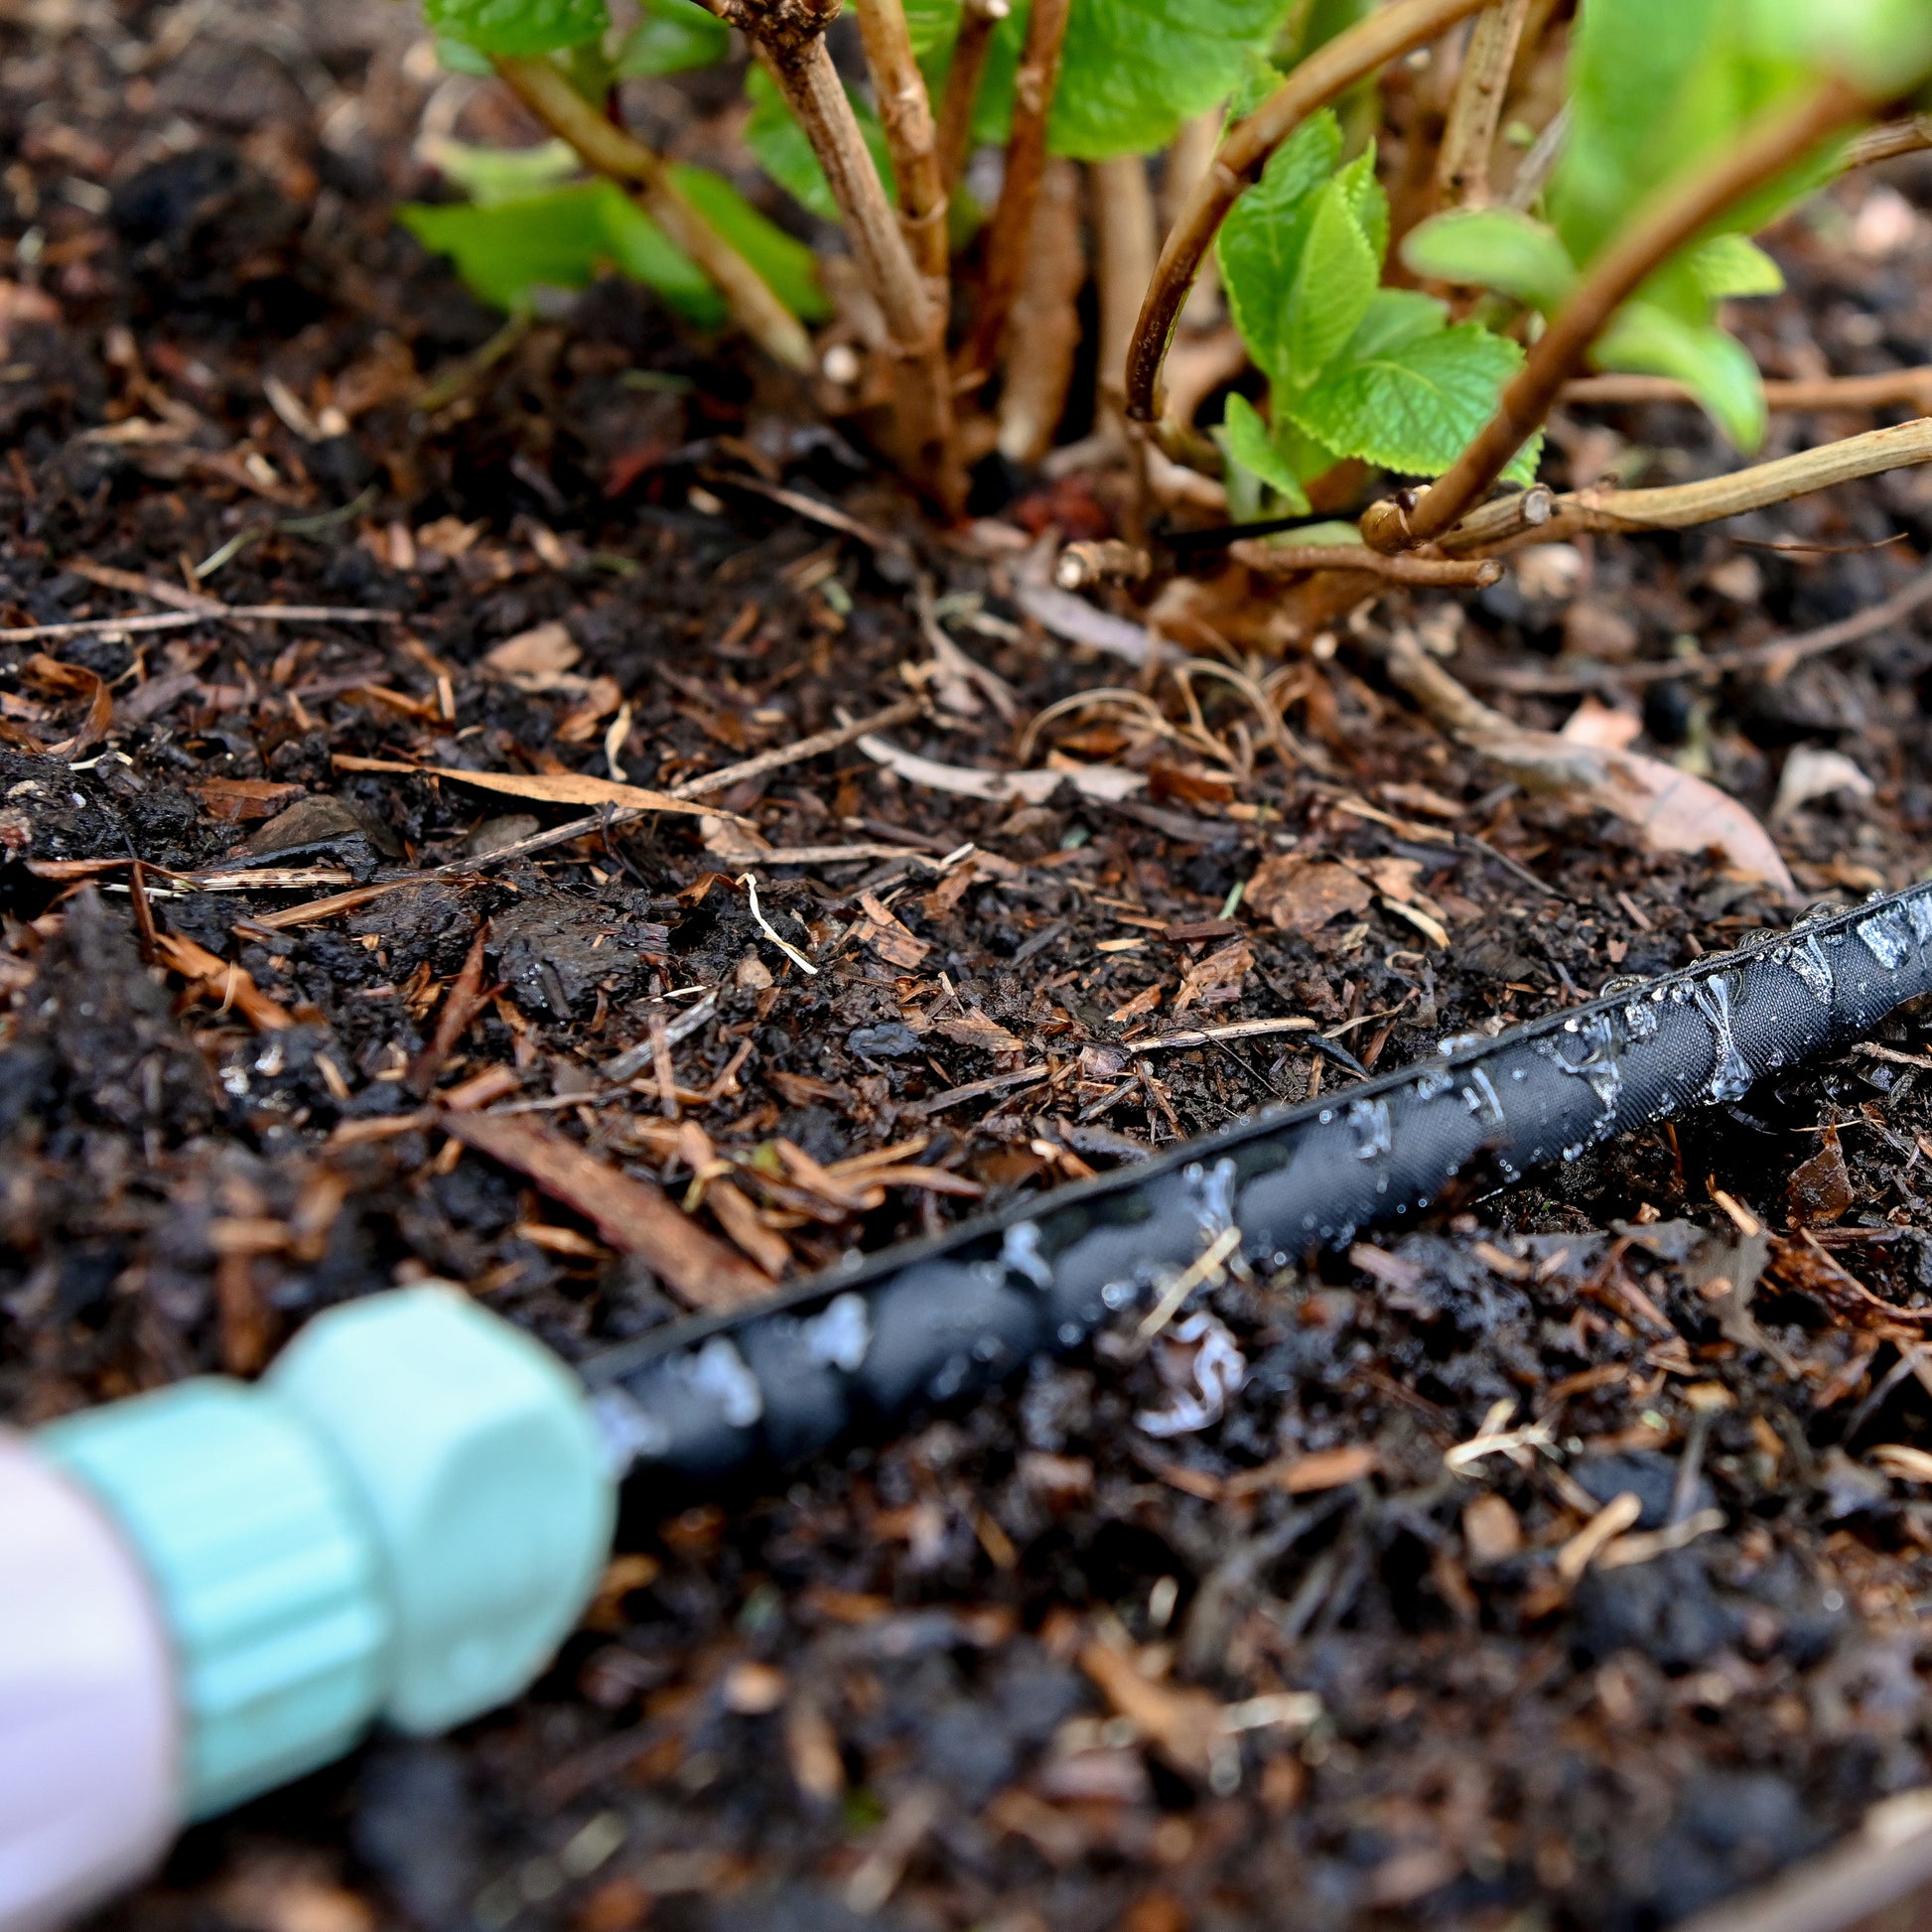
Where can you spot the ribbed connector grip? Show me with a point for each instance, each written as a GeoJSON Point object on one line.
{"type": "Point", "coordinates": [260, 1558]}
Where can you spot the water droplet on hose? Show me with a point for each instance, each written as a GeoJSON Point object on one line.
{"type": "Point", "coordinates": [1641, 1020]}
{"type": "Point", "coordinates": [1020, 1251]}
{"type": "Point", "coordinates": [1818, 912]}
{"type": "Point", "coordinates": [1479, 1096]}
{"type": "Point", "coordinates": [720, 1371]}
{"type": "Point", "coordinates": [1370, 1120]}
{"type": "Point", "coordinates": [1885, 938]}
{"type": "Point", "coordinates": [1807, 959]}
{"type": "Point", "coordinates": [1731, 1073]}
{"type": "Point", "coordinates": [1622, 983]}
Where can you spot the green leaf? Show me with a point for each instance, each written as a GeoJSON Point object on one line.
{"type": "Point", "coordinates": [1493, 249]}
{"type": "Point", "coordinates": [517, 26]}
{"type": "Point", "coordinates": [455, 58]}
{"type": "Point", "coordinates": [1245, 440]}
{"type": "Point", "coordinates": [1367, 202]}
{"type": "Point", "coordinates": [1657, 87]}
{"type": "Point", "coordinates": [674, 36]}
{"type": "Point", "coordinates": [1412, 407]}
{"type": "Point", "coordinates": [1335, 282]}
{"type": "Point", "coordinates": [1261, 241]}
{"type": "Point", "coordinates": [561, 240]}
{"type": "Point", "coordinates": [1733, 264]}
{"type": "Point", "coordinates": [1134, 70]}
{"type": "Point", "coordinates": [786, 264]}
{"type": "Point", "coordinates": [1258, 79]}
{"type": "Point", "coordinates": [1644, 340]}
{"type": "Point", "coordinates": [1393, 318]}
{"type": "Point", "coordinates": [785, 150]}
{"type": "Point", "coordinates": [490, 176]}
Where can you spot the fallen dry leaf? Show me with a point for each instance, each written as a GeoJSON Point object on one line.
{"type": "Point", "coordinates": [634, 1215]}
{"type": "Point", "coordinates": [1671, 810]}
{"type": "Point", "coordinates": [548, 787]}
{"type": "Point", "coordinates": [238, 800]}
{"type": "Point", "coordinates": [546, 648]}
{"type": "Point", "coordinates": [1813, 771]}
{"type": "Point", "coordinates": [974, 1029]}
{"type": "Point", "coordinates": [888, 936]}
{"type": "Point", "coordinates": [1300, 894]}
{"type": "Point", "coordinates": [1217, 978]}
{"type": "Point", "coordinates": [1601, 724]}
{"type": "Point", "coordinates": [1106, 782]}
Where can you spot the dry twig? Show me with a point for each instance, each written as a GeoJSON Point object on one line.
{"type": "Point", "coordinates": [1294, 559]}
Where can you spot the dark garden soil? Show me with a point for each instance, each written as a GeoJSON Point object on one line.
{"type": "Point", "coordinates": [1030, 1666]}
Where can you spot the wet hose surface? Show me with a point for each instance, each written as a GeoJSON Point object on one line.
{"type": "Point", "coordinates": [849, 1352]}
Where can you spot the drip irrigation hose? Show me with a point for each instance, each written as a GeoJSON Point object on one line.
{"type": "Point", "coordinates": [212, 1588]}
{"type": "Point", "coordinates": [850, 1353]}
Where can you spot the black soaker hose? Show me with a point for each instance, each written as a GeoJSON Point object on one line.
{"type": "Point", "coordinates": [852, 1351]}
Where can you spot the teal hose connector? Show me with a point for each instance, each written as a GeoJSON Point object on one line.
{"type": "Point", "coordinates": [399, 1523]}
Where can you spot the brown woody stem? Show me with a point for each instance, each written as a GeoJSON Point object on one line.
{"type": "Point", "coordinates": [1911, 387]}
{"type": "Point", "coordinates": [789, 36]}
{"type": "Point", "coordinates": [977, 21]}
{"type": "Point", "coordinates": [1010, 232]}
{"type": "Point", "coordinates": [1329, 70]}
{"type": "Point", "coordinates": [1888, 141]}
{"type": "Point", "coordinates": [1677, 217]}
{"type": "Point", "coordinates": [1295, 558]}
{"type": "Point", "coordinates": [1462, 161]}
{"type": "Point", "coordinates": [607, 149]}
{"type": "Point", "coordinates": [1680, 505]}
{"type": "Point", "coordinates": [905, 114]}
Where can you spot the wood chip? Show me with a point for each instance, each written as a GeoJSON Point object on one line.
{"type": "Point", "coordinates": [631, 1214]}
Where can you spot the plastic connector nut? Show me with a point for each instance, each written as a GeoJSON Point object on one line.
{"type": "Point", "coordinates": [475, 1456]}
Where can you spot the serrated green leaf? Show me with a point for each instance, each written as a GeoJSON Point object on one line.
{"type": "Point", "coordinates": [787, 265]}
{"type": "Point", "coordinates": [1733, 264]}
{"type": "Point", "coordinates": [1134, 70]}
{"type": "Point", "coordinates": [785, 151]}
{"type": "Point", "coordinates": [1335, 282]}
{"type": "Point", "coordinates": [562, 241]}
{"type": "Point", "coordinates": [1261, 241]}
{"type": "Point", "coordinates": [1367, 201]}
{"type": "Point", "coordinates": [1245, 440]}
{"type": "Point", "coordinates": [674, 36]}
{"type": "Point", "coordinates": [1413, 406]}
{"type": "Point", "coordinates": [517, 26]}
{"type": "Point", "coordinates": [1493, 249]}
{"type": "Point", "coordinates": [1716, 367]}
{"type": "Point", "coordinates": [1393, 318]}
{"type": "Point", "coordinates": [491, 176]}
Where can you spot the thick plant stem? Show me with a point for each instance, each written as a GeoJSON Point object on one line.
{"type": "Point", "coordinates": [1012, 221]}
{"type": "Point", "coordinates": [1046, 320]}
{"type": "Point", "coordinates": [1677, 217]}
{"type": "Point", "coordinates": [906, 116]}
{"type": "Point", "coordinates": [1124, 245]}
{"type": "Point", "coordinates": [1331, 70]}
{"type": "Point", "coordinates": [789, 36]}
{"type": "Point", "coordinates": [603, 146]}
{"type": "Point", "coordinates": [977, 21]}
{"type": "Point", "coordinates": [1462, 161]}
{"type": "Point", "coordinates": [1680, 505]}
